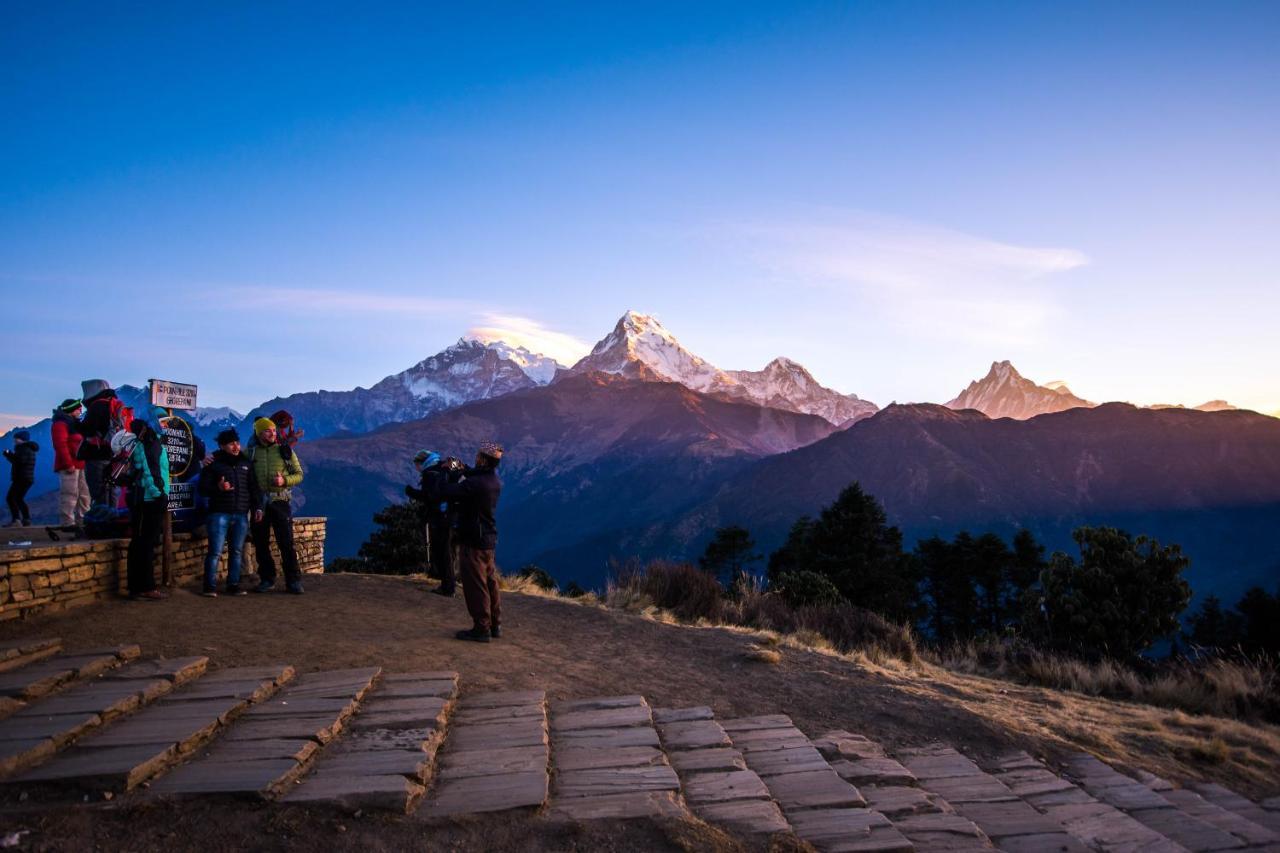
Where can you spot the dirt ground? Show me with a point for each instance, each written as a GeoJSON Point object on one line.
{"type": "Point", "coordinates": [572, 650]}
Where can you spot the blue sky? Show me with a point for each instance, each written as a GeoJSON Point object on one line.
{"type": "Point", "coordinates": [281, 197]}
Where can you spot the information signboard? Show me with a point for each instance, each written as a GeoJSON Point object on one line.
{"type": "Point", "coordinates": [179, 442]}
{"type": "Point", "coordinates": [173, 395]}
{"type": "Point", "coordinates": [182, 496]}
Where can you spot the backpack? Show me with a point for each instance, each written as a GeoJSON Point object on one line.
{"type": "Point", "coordinates": [121, 417]}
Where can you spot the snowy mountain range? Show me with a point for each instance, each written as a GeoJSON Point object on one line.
{"type": "Point", "coordinates": [639, 347]}
{"type": "Point", "coordinates": [1006, 393]}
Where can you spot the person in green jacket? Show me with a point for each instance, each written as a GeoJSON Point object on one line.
{"type": "Point", "coordinates": [148, 504]}
{"type": "Point", "coordinates": [277, 470]}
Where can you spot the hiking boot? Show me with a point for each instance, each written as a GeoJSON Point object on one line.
{"type": "Point", "coordinates": [265, 586]}
{"type": "Point", "coordinates": [151, 595]}
{"type": "Point", "coordinates": [478, 635]}
{"type": "Point", "coordinates": [209, 592]}
{"type": "Point", "coordinates": [234, 589]}
{"type": "Point", "coordinates": [496, 632]}
{"type": "Point", "coordinates": [294, 588]}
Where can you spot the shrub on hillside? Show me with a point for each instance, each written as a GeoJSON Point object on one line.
{"type": "Point", "coordinates": [540, 577]}
{"type": "Point", "coordinates": [688, 592]}
{"type": "Point", "coordinates": [844, 626]}
{"type": "Point", "coordinates": [340, 565]}
{"type": "Point", "coordinates": [804, 587]}
{"type": "Point", "coordinates": [398, 545]}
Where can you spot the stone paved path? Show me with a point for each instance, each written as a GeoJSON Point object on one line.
{"type": "Point", "coordinates": [359, 739]}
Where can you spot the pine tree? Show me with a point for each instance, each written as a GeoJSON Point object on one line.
{"type": "Point", "coordinates": [729, 554]}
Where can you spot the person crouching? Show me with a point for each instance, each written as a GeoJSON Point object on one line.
{"type": "Point", "coordinates": [232, 491]}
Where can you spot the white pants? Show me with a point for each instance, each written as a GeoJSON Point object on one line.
{"type": "Point", "coordinates": [73, 497]}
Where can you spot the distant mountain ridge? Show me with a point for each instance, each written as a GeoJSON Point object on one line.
{"type": "Point", "coordinates": [1006, 393]}
{"type": "Point", "coordinates": [640, 347]}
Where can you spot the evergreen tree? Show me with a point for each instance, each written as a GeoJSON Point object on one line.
{"type": "Point", "coordinates": [1212, 628]}
{"type": "Point", "coordinates": [398, 545]}
{"type": "Point", "coordinates": [952, 602]}
{"type": "Point", "coordinates": [729, 553]}
{"type": "Point", "coordinates": [1260, 615]}
{"type": "Point", "coordinates": [854, 547]}
{"type": "Point", "coordinates": [1122, 595]}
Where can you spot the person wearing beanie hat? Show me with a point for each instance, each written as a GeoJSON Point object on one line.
{"type": "Point", "coordinates": [229, 484]}
{"type": "Point", "coordinates": [477, 500]}
{"type": "Point", "coordinates": [277, 469]}
{"type": "Point", "coordinates": [22, 474]}
{"type": "Point", "coordinates": [73, 488]}
{"type": "Point", "coordinates": [285, 433]}
{"type": "Point", "coordinates": [437, 518]}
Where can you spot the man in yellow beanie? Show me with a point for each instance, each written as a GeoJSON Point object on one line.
{"type": "Point", "coordinates": [277, 470]}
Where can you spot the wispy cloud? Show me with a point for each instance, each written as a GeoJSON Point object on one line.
{"type": "Point", "coordinates": [10, 421]}
{"type": "Point", "coordinates": [524, 332]}
{"type": "Point", "coordinates": [922, 278]}
{"type": "Point", "coordinates": [350, 301]}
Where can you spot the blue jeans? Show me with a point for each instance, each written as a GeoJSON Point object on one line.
{"type": "Point", "coordinates": [225, 528]}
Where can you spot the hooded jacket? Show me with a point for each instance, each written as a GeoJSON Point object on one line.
{"type": "Point", "coordinates": [269, 460]}
{"type": "Point", "coordinates": [476, 498]}
{"type": "Point", "coordinates": [151, 463]}
{"type": "Point", "coordinates": [96, 426]}
{"type": "Point", "coordinates": [244, 495]}
{"type": "Point", "coordinates": [66, 441]}
{"type": "Point", "coordinates": [23, 460]}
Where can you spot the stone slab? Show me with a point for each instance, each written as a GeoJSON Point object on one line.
{"type": "Point", "coordinates": [160, 728]}
{"type": "Point", "coordinates": [492, 762]}
{"type": "Point", "coordinates": [410, 689]}
{"type": "Point", "coordinates": [425, 739]}
{"type": "Point", "coordinates": [1233, 802]}
{"type": "Point", "coordinates": [1003, 820]}
{"type": "Point", "coordinates": [599, 703]}
{"type": "Point", "coordinates": [745, 817]}
{"type": "Point", "coordinates": [979, 788]}
{"type": "Point", "coordinates": [256, 778]}
{"type": "Point", "coordinates": [608, 738]}
{"type": "Point", "coordinates": [1192, 833]}
{"type": "Point", "coordinates": [606, 718]}
{"type": "Point", "coordinates": [388, 792]}
{"type": "Point", "coordinates": [812, 789]}
{"type": "Point", "coordinates": [294, 706]}
{"type": "Point", "coordinates": [682, 715]}
{"type": "Point", "coordinates": [499, 700]}
{"type": "Point", "coordinates": [724, 787]}
{"type": "Point", "coordinates": [1049, 842]}
{"type": "Point", "coordinates": [299, 750]}
{"type": "Point", "coordinates": [17, 655]}
{"type": "Point", "coordinates": [874, 771]}
{"type": "Point", "coordinates": [487, 794]}
{"type": "Point", "coordinates": [1032, 781]}
{"type": "Point", "coordinates": [847, 829]}
{"type": "Point", "coordinates": [705, 760]}
{"type": "Point", "coordinates": [61, 728]}
{"type": "Point", "coordinates": [321, 729]}
{"type": "Point", "coordinates": [46, 676]}
{"type": "Point", "coordinates": [797, 759]}
{"type": "Point", "coordinates": [116, 768]}
{"type": "Point", "coordinates": [497, 715]}
{"type": "Point", "coordinates": [847, 745]}
{"type": "Point", "coordinates": [1105, 827]}
{"type": "Point", "coordinates": [498, 735]}
{"type": "Point", "coordinates": [616, 780]}
{"type": "Point", "coordinates": [898, 801]}
{"type": "Point", "coordinates": [950, 765]}
{"type": "Point", "coordinates": [654, 804]}
{"type": "Point", "coordinates": [768, 739]}
{"type": "Point", "coordinates": [96, 697]}
{"type": "Point", "coordinates": [429, 675]}
{"type": "Point", "coordinates": [18, 755]}
{"type": "Point", "coordinates": [178, 670]}
{"type": "Point", "coordinates": [595, 759]}
{"type": "Point", "coordinates": [1228, 821]}
{"type": "Point", "coordinates": [942, 831]}
{"type": "Point", "coordinates": [764, 721]}
{"type": "Point", "coordinates": [413, 763]}
{"type": "Point", "coordinates": [693, 734]}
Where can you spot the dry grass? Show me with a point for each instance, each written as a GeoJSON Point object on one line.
{"type": "Point", "coordinates": [759, 654]}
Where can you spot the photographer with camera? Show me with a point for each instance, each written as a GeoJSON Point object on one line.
{"type": "Point", "coordinates": [437, 515]}
{"type": "Point", "coordinates": [476, 497]}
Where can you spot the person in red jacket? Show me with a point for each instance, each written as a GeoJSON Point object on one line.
{"type": "Point", "coordinates": [73, 489]}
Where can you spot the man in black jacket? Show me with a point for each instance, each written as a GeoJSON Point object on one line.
{"type": "Point", "coordinates": [97, 427]}
{"type": "Point", "coordinates": [233, 493]}
{"type": "Point", "coordinates": [477, 500]}
{"type": "Point", "coordinates": [21, 476]}
{"type": "Point", "coordinates": [436, 516]}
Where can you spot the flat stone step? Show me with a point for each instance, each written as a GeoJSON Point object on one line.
{"type": "Point", "coordinates": [19, 653]}
{"type": "Point", "coordinates": [1013, 825]}
{"type": "Point", "coordinates": [53, 673]}
{"type": "Point", "coordinates": [1231, 801]}
{"type": "Point", "coordinates": [1098, 825]}
{"type": "Point", "coordinates": [43, 727]}
{"type": "Point", "coordinates": [488, 765]}
{"type": "Point", "coordinates": [149, 742]}
{"type": "Point", "coordinates": [1193, 803]}
{"type": "Point", "coordinates": [272, 743]}
{"type": "Point", "coordinates": [609, 771]}
{"type": "Point", "coordinates": [840, 829]}
{"type": "Point", "coordinates": [1147, 806]}
{"type": "Point", "coordinates": [384, 760]}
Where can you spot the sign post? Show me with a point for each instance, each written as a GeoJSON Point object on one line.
{"type": "Point", "coordinates": [179, 444]}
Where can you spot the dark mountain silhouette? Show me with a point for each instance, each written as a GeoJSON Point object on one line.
{"type": "Point", "coordinates": [586, 455]}
{"type": "Point", "coordinates": [1207, 480]}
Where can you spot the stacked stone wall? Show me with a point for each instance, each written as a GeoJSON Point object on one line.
{"type": "Point", "coordinates": [62, 575]}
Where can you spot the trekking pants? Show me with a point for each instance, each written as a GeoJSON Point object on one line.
{"type": "Point", "coordinates": [95, 475]}
{"type": "Point", "coordinates": [480, 586]}
{"type": "Point", "coordinates": [277, 517]}
{"type": "Point", "coordinates": [440, 553]}
{"type": "Point", "coordinates": [16, 499]}
{"type": "Point", "coordinates": [73, 497]}
{"type": "Point", "coordinates": [147, 522]}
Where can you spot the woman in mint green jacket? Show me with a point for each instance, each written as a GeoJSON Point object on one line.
{"type": "Point", "coordinates": [148, 503]}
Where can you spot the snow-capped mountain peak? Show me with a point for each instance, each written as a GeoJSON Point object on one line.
{"type": "Point", "coordinates": [1006, 393]}
{"type": "Point", "coordinates": [209, 416]}
{"type": "Point", "coordinates": [538, 367]}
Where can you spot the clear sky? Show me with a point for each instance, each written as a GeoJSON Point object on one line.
{"type": "Point", "coordinates": [280, 197]}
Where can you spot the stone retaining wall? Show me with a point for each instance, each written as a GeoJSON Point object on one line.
{"type": "Point", "coordinates": [55, 577]}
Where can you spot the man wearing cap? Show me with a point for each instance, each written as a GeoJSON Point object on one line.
{"type": "Point", "coordinates": [73, 489]}
{"type": "Point", "coordinates": [477, 500]}
{"type": "Point", "coordinates": [437, 520]}
{"type": "Point", "coordinates": [229, 484]}
{"type": "Point", "coordinates": [277, 470]}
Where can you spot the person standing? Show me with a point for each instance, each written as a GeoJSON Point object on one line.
{"type": "Point", "coordinates": [437, 518]}
{"type": "Point", "coordinates": [277, 470]}
{"type": "Point", "coordinates": [476, 497]}
{"type": "Point", "coordinates": [22, 474]}
{"type": "Point", "coordinates": [73, 490]}
{"type": "Point", "coordinates": [148, 503]}
{"type": "Point", "coordinates": [105, 415]}
{"type": "Point", "coordinates": [231, 489]}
